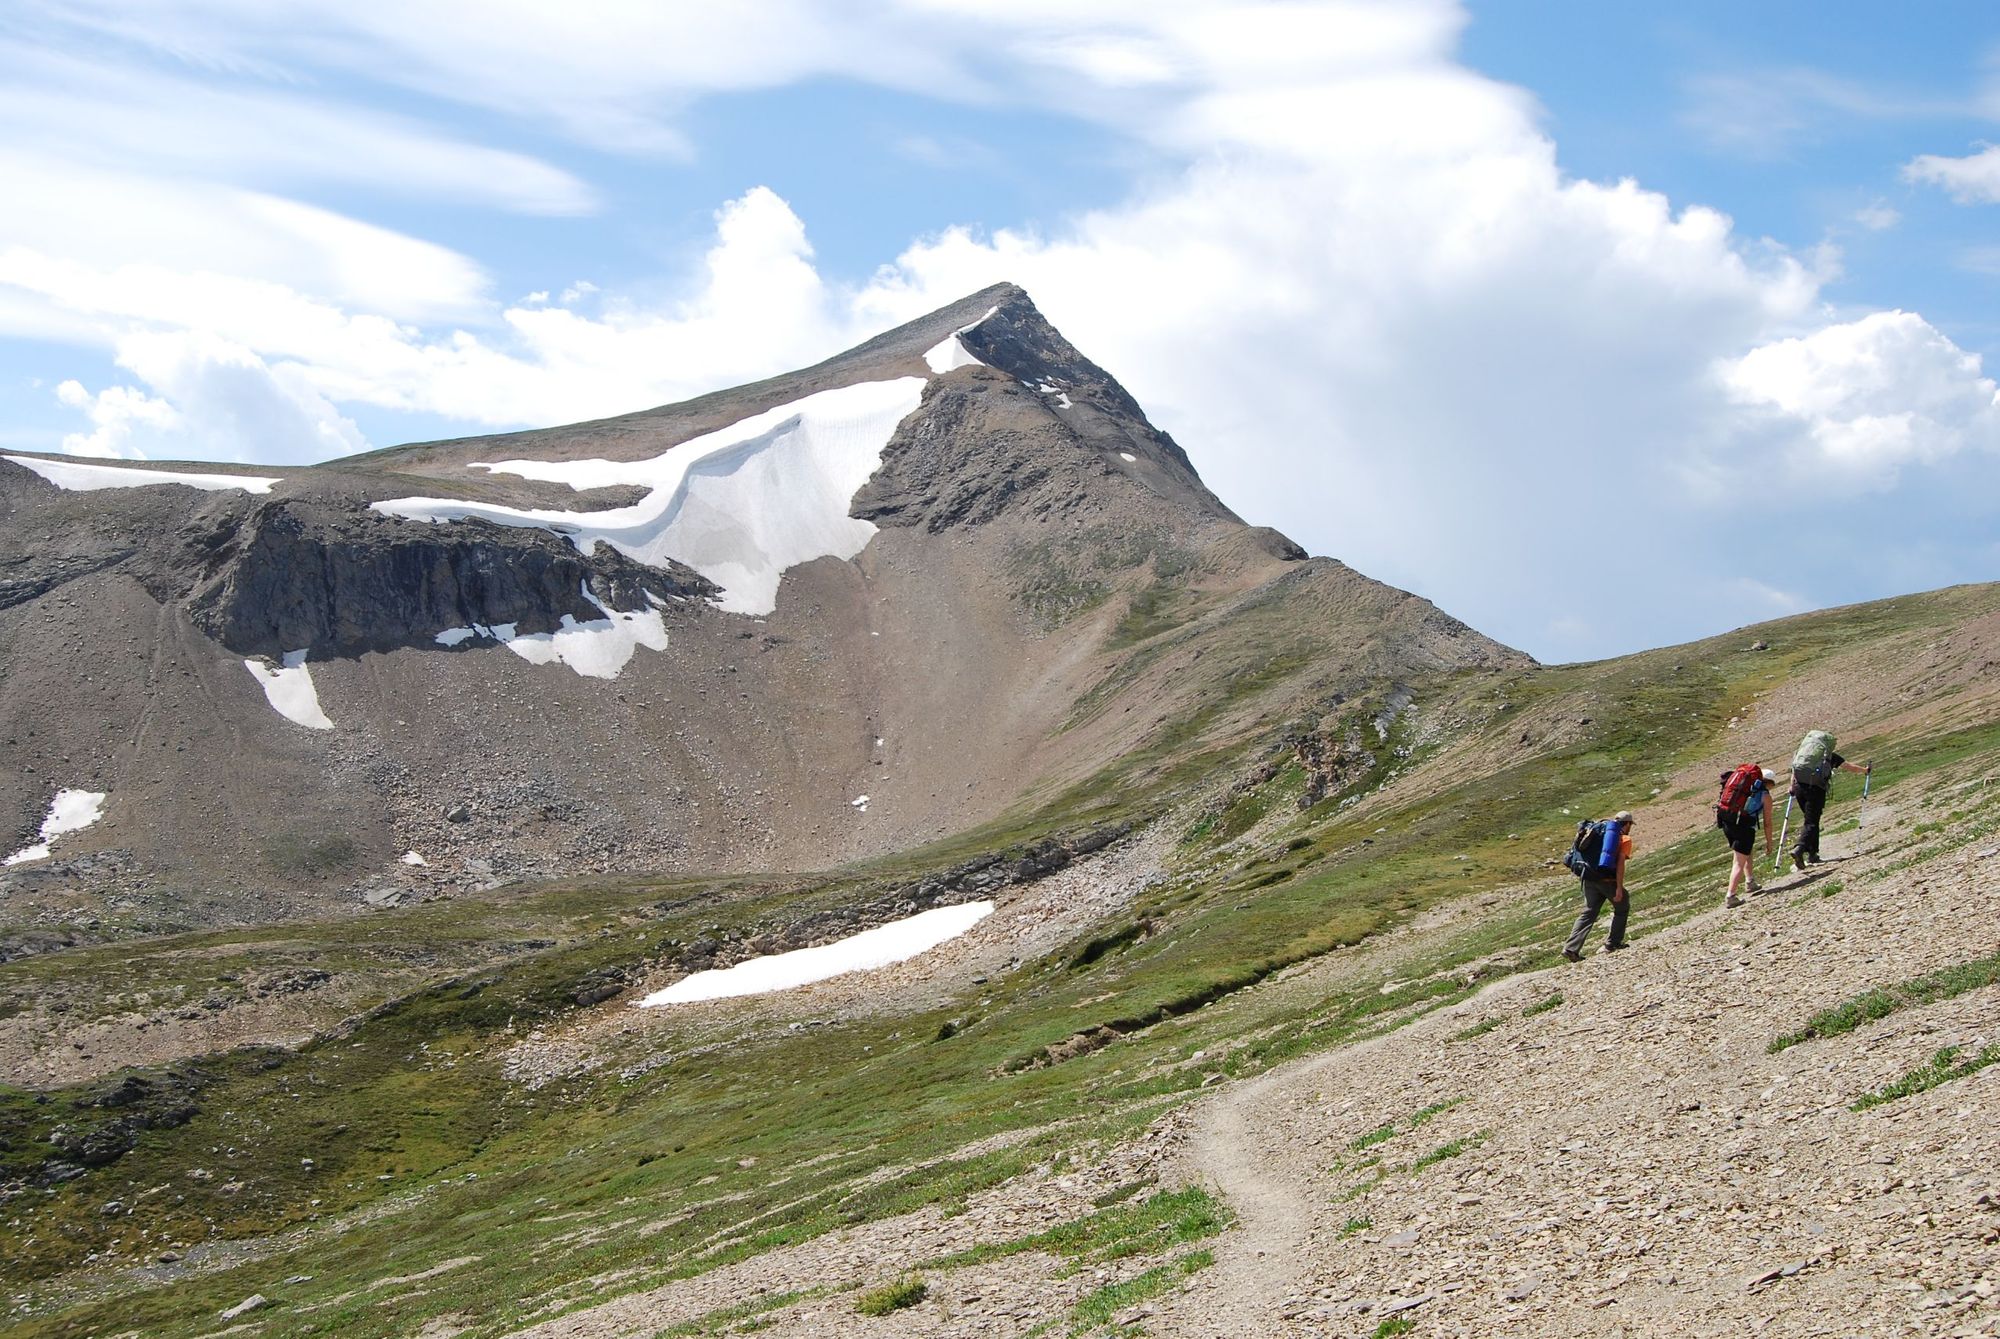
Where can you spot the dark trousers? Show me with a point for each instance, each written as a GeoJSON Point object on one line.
{"type": "Point", "coordinates": [1595, 895]}
{"type": "Point", "coordinates": [1812, 803]}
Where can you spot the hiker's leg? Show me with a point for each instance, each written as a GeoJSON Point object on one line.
{"type": "Point", "coordinates": [1592, 900]}
{"type": "Point", "coordinates": [1618, 911]}
{"type": "Point", "coordinates": [1812, 803]}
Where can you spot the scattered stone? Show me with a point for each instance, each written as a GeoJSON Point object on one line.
{"type": "Point", "coordinates": [243, 1308]}
{"type": "Point", "coordinates": [1523, 1290]}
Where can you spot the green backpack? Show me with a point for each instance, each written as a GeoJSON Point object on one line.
{"type": "Point", "coordinates": [1813, 763]}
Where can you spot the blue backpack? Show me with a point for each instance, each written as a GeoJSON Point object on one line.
{"type": "Point", "coordinates": [1594, 855]}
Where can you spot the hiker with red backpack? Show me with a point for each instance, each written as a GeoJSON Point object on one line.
{"type": "Point", "coordinates": [1813, 767]}
{"type": "Point", "coordinates": [1744, 800]}
{"type": "Point", "coordinates": [1598, 857]}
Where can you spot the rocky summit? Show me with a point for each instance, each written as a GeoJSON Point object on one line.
{"type": "Point", "coordinates": [885, 850]}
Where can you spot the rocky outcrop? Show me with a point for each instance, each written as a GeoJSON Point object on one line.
{"type": "Point", "coordinates": [344, 580]}
{"type": "Point", "coordinates": [1035, 432]}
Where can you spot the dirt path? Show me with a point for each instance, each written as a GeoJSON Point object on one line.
{"type": "Point", "coordinates": [1632, 1160]}
{"type": "Point", "coordinates": [1256, 1265]}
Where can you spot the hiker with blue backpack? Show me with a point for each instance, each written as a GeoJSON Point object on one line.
{"type": "Point", "coordinates": [1813, 767]}
{"type": "Point", "coordinates": [1744, 801]}
{"type": "Point", "coordinates": [1598, 859]}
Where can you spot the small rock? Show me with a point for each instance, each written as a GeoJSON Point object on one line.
{"type": "Point", "coordinates": [458, 813]}
{"type": "Point", "coordinates": [246, 1306]}
{"type": "Point", "coordinates": [1523, 1290]}
{"type": "Point", "coordinates": [1390, 1308]}
{"type": "Point", "coordinates": [1407, 1237]}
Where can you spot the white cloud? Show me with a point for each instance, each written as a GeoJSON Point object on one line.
{"type": "Point", "coordinates": [117, 415]}
{"type": "Point", "coordinates": [1767, 113]}
{"type": "Point", "coordinates": [113, 115]}
{"type": "Point", "coordinates": [1972, 180]}
{"type": "Point", "coordinates": [216, 401]}
{"type": "Point", "coordinates": [1877, 217]}
{"type": "Point", "coordinates": [1872, 396]}
{"type": "Point", "coordinates": [90, 219]}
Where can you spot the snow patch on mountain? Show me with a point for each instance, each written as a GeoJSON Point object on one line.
{"type": "Point", "coordinates": [70, 811]}
{"type": "Point", "coordinates": [599, 648]}
{"type": "Point", "coordinates": [950, 352]}
{"type": "Point", "coordinates": [879, 947]}
{"type": "Point", "coordinates": [740, 505]}
{"type": "Point", "coordinates": [289, 689]}
{"type": "Point", "coordinates": [76, 477]}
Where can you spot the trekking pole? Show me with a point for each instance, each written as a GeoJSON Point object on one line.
{"type": "Point", "coordinates": [1866, 778]}
{"type": "Point", "coordinates": [1779, 863]}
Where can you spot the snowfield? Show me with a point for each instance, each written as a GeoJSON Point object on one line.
{"type": "Point", "coordinates": [740, 505]}
{"type": "Point", "coordinates": [600, 648]}
{"type": "Point", "coordinates": [289, 689]}
{"type": "Point", "coordinates": [70, 811]}
{"type": "Point", "coordinates": [879, 947]}
{"type": "Point", "coordinates": [77, 477]}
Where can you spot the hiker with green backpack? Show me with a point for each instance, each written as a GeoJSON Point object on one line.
{"type": "Point", "coordinates": [1813, 767]}
{"type": "Point", "coordinates": [1744, 801]}
{"type": "Point", "coordinates": [1598, 857]}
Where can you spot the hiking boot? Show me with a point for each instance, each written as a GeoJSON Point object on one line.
{"type": "Point", "coordinates": [1572, 955]}
{"type": "Point", "coordinates": [1732, 901]}
{"type": "Point", "coordinates": [1611, 948]}
{"type": "Point", "coordinates": [1798, 860]}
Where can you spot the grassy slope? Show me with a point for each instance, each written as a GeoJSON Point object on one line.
{"type": "Point", "coordinates": [414, 1133]}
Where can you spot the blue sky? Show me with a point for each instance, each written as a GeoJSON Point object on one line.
{"type": "Point", "coordinates": [1408, 280]}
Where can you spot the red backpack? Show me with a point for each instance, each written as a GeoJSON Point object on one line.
{"type": "Point", "coordinates": [1737, 787]}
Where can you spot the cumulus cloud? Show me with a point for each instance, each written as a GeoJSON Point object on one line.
{"type": "Point", "coordinates": [1971, 180]}
{"type": "Point", "coordinates": [123, 421]}
{"type": "Point", "coordinates": [1872, 396]}
{"type": "Point", "coordinates": [216, 401]}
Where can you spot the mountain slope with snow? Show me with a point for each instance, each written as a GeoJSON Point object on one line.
{"type": "Point", "coordinates": [946, 570]}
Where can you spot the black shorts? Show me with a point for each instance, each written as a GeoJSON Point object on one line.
{"type": "Point", "coordinates": [1740, 829]}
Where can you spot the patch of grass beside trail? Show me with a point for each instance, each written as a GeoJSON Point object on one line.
{"type": "Point", "coordinates": [1159, 1223]}
{"type": "Point", "coordinates": [1942, 1068]}
{"type": "Point", "coordinates": [894, 1296]}
{"type": "Point", "coordinates": [1100, 1307]}
{"type": "Point", "coordinates": [1944, 984]}
{"type": "Point", "coordinates": [730, 1318]}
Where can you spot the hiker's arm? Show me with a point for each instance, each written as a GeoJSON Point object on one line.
{"type": "Point", "coordinates": [1768, 847]}
{"type": "Point", "coordinates": [1857, 769]}
{"type": "Point", "coordinates": [1618, 893]}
